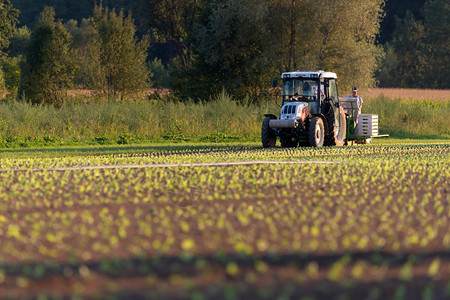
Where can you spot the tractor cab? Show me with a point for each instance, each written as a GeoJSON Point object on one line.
{"type": "Point", "coordinates": [318, 89]}
{"type": "Point", "coordinates": [300, 89]}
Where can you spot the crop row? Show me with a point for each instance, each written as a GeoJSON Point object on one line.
{"type": "Point", "coordinates": [348, 154]}
{"type": "Point", "coordinates": [309, 207]}
{"type": "Point", "coordinates": [392, 200]}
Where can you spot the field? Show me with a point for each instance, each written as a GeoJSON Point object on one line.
{"type": "Point", "coordinates": [366, 222]}
{"type": "Point", "coordinates": [156, 199]}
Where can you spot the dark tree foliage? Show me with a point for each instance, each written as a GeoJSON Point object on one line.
{"type": "Point", "coordinates": [48, 67]}
{"type": "Point", "coordinates": [241, 44]}
{"type": "Point", "coordinates": [437, 25]}
{"type": "Point", "coordinates": [18, 41]}
{"type": "Point", "coordinates": [8, 20]}
{"type": "Point", "coordinates": [210, 44]}
{"type": "Point", "coordinates": [171, 22]}
{"type": "Point", "coordinates": [77, 10]}
{"type": "Point", "coordinates": [417, 56]}
{"type": "Point", "coordinates": [408, 40]}
{"type": "Point", "coordinates": [398, 9]}
{"type": "Point", "coordinates": [64, 9]}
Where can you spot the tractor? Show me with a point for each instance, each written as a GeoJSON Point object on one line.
{"type": "Point", "coordinates": [313, 115]}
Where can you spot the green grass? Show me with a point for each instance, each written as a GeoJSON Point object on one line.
{"type": "Point", "coordinates": [174, 148]}
{"type": "Point", "coordinates": [411, 118]}
{"type": "Point", "coordinates": [222, 120]}
{"type": "Point", "coordinates": [96, 150]}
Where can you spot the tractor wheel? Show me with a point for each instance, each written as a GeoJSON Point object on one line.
{"type": "Point", "coordinates": [268, 136]}
{"type": "Point", "coordinates": [337, 135]}
{"type": "Point", "coordinates": [287, 142]}
{"type": "Point", "coordinates": [316, 132]}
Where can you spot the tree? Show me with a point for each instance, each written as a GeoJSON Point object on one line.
{"type": "Point", "coordinates": [346, 40]}
{"type": "Point", "coordinates": [337, 36]}
{"type": "Point", "coordinates": [65, 9]}
{"type": "Point", "coordinates": [19, 41]}
{"type": "Point", "coordinates": [437, 27]}
{"type": "Point", "coordinates": [386, 73]}
{"type": "Point", "coordinates": [290, 34]}
{"type": "Point", "coordinates": [11, 73]}
{"type": "Point", "coordinates": [397, 9]}
{"type": "Point", "coordinates": [160, 76]}
{"type": "Point", "coordinates": [229, 39]}
{"type": "Point", "coordinates": [417, 56]}
{"type": "Point", "coordinates": [2, 82]}
{"type": "Point", "coordinates": [8, 21]}
{"type": "Point", "coordinates": [408, 42]}
{"type": "Point", "coordinates": [240, 45]}
{"type": "Point", "coordinates": [115, 58]}
{"type": "Point", "coordinates": [48, 68]}
{"type": "Point", "coordinates": [172, 21]}
{"type": "Point", "coordinates": [11, 63]}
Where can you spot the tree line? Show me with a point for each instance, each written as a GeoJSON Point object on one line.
{"type": "Point", "coordinates": [102, 54]}
{"type": "Point", "coordinates": [200, 47]}
{"type": "Point", "coordinates": [417, 51]}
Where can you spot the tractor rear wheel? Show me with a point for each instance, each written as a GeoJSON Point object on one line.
{"type": "Point", "coordinates": [316, 132]}
{"type": "Point", "coordinates": [337, 135]}
{"type": "Point", "coordinates": [268, 136]}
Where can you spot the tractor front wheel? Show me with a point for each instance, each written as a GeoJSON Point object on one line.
{"type": "Point", "coordinates": [268, 136]}
{"type": "Point", "coordinates": [316, 132]}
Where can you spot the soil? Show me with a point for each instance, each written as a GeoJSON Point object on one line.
{"type": "Point", "coordinates": [95, 259]}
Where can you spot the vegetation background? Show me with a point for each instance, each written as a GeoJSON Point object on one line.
{"type": "Point", "coordinates": [222, 119]}
{"type": "Point", "coordinates": [218, 59]}
{"type": "Point", "coordinates": [413, 34]}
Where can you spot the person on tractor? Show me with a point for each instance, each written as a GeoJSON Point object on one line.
{"type": "Point", "coordinates": [307, 90]}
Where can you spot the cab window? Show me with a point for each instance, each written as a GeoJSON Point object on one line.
{"type": "Point", "coordinates": [331, 89]}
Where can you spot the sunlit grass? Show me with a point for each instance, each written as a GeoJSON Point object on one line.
{"type": "Point", "coordinates": [222, 120]}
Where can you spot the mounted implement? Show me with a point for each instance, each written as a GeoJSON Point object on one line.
{"type": "Point", "coordinates": [312, 114]}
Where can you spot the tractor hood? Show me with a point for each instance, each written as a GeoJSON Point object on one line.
{"type": "Point", "coordinates": [294, 111]}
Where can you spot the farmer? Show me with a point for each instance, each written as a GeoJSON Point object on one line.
{"type": "Point", "coordinates": [359, 100]}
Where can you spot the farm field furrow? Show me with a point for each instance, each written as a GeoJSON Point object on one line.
{"type": "Point", "coordinates": [223, 155]}
{"type": "Point", "coordinates": [373, 226]}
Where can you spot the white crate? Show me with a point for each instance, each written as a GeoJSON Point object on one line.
{"type": "Point", "coordinates": [367, 125]}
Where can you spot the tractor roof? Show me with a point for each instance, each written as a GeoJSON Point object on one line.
{"type": "Point", "coordinates": [309, 74]}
